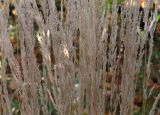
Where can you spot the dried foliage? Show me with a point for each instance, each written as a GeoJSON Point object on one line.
{"type": "Point", "coordinates": [80, 48]}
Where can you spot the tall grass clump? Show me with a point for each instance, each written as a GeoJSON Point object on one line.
{"type": "Point", "coordinates": [67, 52]}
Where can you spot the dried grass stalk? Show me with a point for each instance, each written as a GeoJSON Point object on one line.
{"type": "Point", "coordinates": [77, 45]}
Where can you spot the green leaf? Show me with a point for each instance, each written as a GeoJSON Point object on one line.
{"type": "Point", "coordinates": [15, 104]}
{"type": "Point", "coordinates": [158, 18]}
